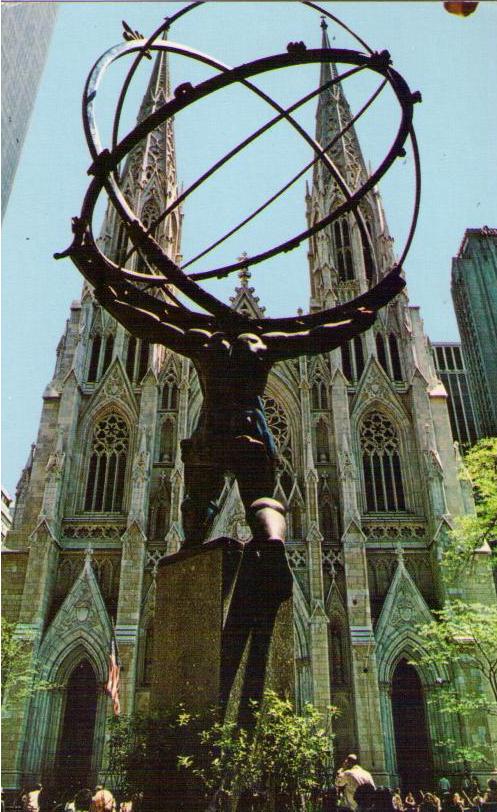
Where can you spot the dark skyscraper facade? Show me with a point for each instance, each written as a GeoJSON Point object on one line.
{"type": "Point", "coordinates": [451, 369]}
{"type": "Point", "coordinates": [26, 32]}
{"type": "Point", "coordinates": [474, 291]}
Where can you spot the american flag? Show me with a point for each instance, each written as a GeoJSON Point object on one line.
{"type": "Point", "coordinates": [111, 688]}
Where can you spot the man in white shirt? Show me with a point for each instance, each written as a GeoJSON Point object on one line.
{"type": "Point", "coordinates": [349, 777]}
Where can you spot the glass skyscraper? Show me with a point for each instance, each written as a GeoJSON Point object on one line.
{"type": "Point", "coordinates": [26, 32]}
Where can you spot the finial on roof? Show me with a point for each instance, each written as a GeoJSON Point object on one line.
{"type": "Point", "coordinates": [400, 553]}
{"type": "Point", "coordinates": [324, 24]}
{"type": "Point", "coordinates": [244, 273]}
{"type": "Point", "coordinates": [89, 554]}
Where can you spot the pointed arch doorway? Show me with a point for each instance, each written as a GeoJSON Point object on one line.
{"type": "Point", "coordinates": [412, 742]}
{"type": "Point", "coordinates": [75, 751]}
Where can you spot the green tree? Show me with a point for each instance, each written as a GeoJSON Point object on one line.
{"type": "Point", "coordinates": [463, 634]}
{"type": "Point", "coordinates": [20, 677]}
{"type": "Point", "coordinates": [473, 530]}
{"type": "Point", "coordinates": [280, 765]}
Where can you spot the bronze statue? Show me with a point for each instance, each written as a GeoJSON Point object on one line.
{"type": "Point", "coordinates": [232, 434]}
{"type": "Point", "coordinates": [231, 353]}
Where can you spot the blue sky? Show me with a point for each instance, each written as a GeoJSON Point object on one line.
{"type": "Point", "coordinates": [452, 61]}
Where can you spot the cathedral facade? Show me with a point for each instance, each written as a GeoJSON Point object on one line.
{"type": "Point", "coordinates": [367, 471]}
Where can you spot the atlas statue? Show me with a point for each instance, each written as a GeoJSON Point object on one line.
{"type": "Point", "coordinates": [232, 353]}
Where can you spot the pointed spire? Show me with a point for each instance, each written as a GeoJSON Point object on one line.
{"type": "Point", "coordinates": [158, 90]}
{"type": "Point", "coordinates": [333, 114]}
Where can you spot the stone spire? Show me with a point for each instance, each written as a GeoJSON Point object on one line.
{"type": "Point", "coordinates": [333, 114]}
{"type": "Point", "coordinates": [149, 177]}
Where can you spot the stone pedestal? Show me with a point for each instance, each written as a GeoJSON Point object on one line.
{"type": "Point", "coordinates": [223, 636]}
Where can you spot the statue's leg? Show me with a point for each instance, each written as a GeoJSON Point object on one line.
{"type": "Point", "coordinates": [203, 484]}
{"type": "Point", "coordinates": [265, 517]}
{"type": "Point", "coordinates": [255, 476]}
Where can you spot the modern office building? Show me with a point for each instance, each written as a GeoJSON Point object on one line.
{"type": "Point", "coordinates": [366, 469]}
{"type": "Point", "coordinates": [451, 369]}
{"type": "Point", "coordinates": [474, 292]}
{"type": "Point", "coordinates": [26, 33]}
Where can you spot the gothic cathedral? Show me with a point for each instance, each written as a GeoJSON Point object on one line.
{"type": "Point", "coordinates": [367, 471]}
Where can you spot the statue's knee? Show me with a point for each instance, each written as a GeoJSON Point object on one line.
{"type": "Point", "coordinates": [266, 519]}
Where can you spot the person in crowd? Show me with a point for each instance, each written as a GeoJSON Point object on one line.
{"type": "Point", "coordinates": [82, 800]}
{"type": "Point", "coordinates": [443, 785]}
{"type": "Point", "coordinates": [383, 801]}
{"type": "Point", "coordinates": [490, 797]}
{"type": "Point", "coordinates": [31, 799]}
{"type": "Point", "coordinates": [349, 777]}
{"type": "Point", "coordinates": [470, 785]}
{"type": "Point", "coordinates": [103, 800]}
{"type": "Point", "coordinates": [430, 803]}
{"type": "Point", "coordinates": [397, 800]}
{"type": "Point", "coordinates": [364, 797]}
{"type": "Point", "coordinates": [409, 802]}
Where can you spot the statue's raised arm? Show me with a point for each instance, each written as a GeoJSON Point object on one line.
{"type": "Point", "coordinates": [339, 324]}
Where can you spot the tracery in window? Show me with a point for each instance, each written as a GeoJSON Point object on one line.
{"type": "Point", "coordinates": [381, 464]}
{"type": "Point", "coordinates": [107, 468]}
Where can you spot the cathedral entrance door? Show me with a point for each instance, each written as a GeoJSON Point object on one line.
{"type": "Point", "coordinates": [74, 755]}
{"type": "Point", "coordinates": [414, 762]}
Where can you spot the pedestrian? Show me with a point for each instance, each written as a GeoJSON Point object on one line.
{"type": "Point", "coordinates": [349, 777]}
{"type": "Point", "coordinates": [31, 799]}
{"type": "Point", "coordinates": [103, 800]}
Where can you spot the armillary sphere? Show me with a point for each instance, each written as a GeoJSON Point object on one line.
{"type": "Point", "coordinates": [216, 315]}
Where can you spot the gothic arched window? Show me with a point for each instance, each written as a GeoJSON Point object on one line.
{"type": "Point", "coordinates": [381, 352]}
{"type": "Point", "coordinates": [381, 464]}
{"type": "Point", "coordinates": [322, 441]}
{"type": "Point", "coordinates": [143, 361]}
{"type": "Point", "coordinates": [347, 361]}
{"type": "Point", "coordinates": [109, 348]}
{"type": "Point", "coordinates": [358, 357]}
{"type": "Point", "coordinates": [131, 357]}
{"type": "Point", "coordinates": [148, 217]}
{"type": "Point", "coordinates": [319, 394]}
{"type": "Point", "coordinates": [121, 244]}
{"type": "Point", "coordinates": [167, 441]}
{"type": "Point", "coordinates": [395, 357]}
{"type": "Point", "coordinates": [337, 655]}
{"type": "Point", "coordinates": [170, 393]}
{"type": "Point", "coordinates": [94, 358]}
{"type": "Point", "coordinates": [326, 522]}
{"type": "Point", "coordinates": [296, 517]}
{"type": "Point", "coordinates": [341, 234]}
{"type": "Point", "coordinates": [107, 468]}
{"type": "Point", "coordinates": [367, 253]}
